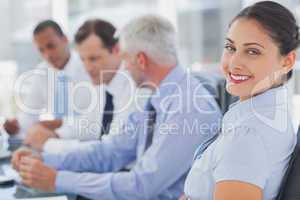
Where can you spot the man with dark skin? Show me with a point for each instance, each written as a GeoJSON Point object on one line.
{"type": "Point", "coordinates": [53, 46]}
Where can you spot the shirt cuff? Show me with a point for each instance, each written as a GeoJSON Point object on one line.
{"type": "Point", "coordinates": [62, 182]}
{"type": "Point", "coordinates": [52, 160]}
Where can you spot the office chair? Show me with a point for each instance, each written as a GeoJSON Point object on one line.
{"type": "Point", "coordinates": [290, 186]}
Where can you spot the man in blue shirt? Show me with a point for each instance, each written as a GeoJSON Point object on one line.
{"type": "Point", "coordinates": [160, 139]}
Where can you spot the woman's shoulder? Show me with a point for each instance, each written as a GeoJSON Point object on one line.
{"type": "Point", "coordinates": [270, 110]}
{"type": "Point", "coordinates": [258, 140]}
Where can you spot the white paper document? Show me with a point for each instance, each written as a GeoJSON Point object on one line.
{"type": "Point", "coordinates": [4, 179]}
{"type": "Point", "coordinates": [49, 198]}
{"type": "Point", "coordinates": [11, 173]}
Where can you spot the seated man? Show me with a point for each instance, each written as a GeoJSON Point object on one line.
{"type": "Point", "coordinates": [114, 93]}
{"type": "Point", "coordinates": [179, 116]}
{"type": "Point", "coordinates": [45, 91]}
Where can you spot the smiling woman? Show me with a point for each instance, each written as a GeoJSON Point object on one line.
{"type": "Point", "coordinates": [249, 158]}
{"type": "Point", "coordinates": [265, 54]}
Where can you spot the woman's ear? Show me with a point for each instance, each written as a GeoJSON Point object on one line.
{"type": "Point", "coordinates": [289, 61]}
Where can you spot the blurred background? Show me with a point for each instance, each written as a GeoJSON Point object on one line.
{"type": "Point", "coordinates": [201, 26]}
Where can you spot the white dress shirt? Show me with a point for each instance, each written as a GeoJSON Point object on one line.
{"type": "Point", "coordinates": [39, 99]}
{"type": "Point", "coordinates": [86, 127]}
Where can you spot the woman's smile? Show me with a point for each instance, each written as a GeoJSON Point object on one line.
{"type": "Point", "coordinates": [239, 78]}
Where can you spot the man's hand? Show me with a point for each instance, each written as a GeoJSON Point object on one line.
{"type": "Point", "coordinates": [36, 174]}
{"type": "Point", "coordinates": [19, 154]}
{"type": "Point", "coordinates": [11, 126]}
{"type": "Point", "coordinates": [37, 136]}
{"type": "Point", "coordinates": [52, 124]}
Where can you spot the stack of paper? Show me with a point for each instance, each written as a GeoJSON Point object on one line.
{"type": "Point", "coordinates": [49, 198]}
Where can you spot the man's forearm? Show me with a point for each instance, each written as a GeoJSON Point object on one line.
{"type": "Point", "coordinates": [87, 159]}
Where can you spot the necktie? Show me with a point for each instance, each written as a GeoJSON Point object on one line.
{"type": "Point", "coordinates": [150, 125]}
{"type": "Point", "coordinates": [61, 96]}
{"type": "Point", "coordinates": [107, 114]}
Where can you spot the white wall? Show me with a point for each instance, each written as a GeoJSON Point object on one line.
{"type": "Point", "coordinates": [5, 34]}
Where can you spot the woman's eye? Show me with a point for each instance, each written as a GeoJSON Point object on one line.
{"type": "Point", "coordinates": [229, 48]}
{"type": "Point", "coordinates": [253, 52]}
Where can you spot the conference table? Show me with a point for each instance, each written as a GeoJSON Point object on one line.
{"type": "Point", "coordinates": [15, 190]}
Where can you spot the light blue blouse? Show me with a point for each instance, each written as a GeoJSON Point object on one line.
{"type": "Point", "coordinates": [255, 145]}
